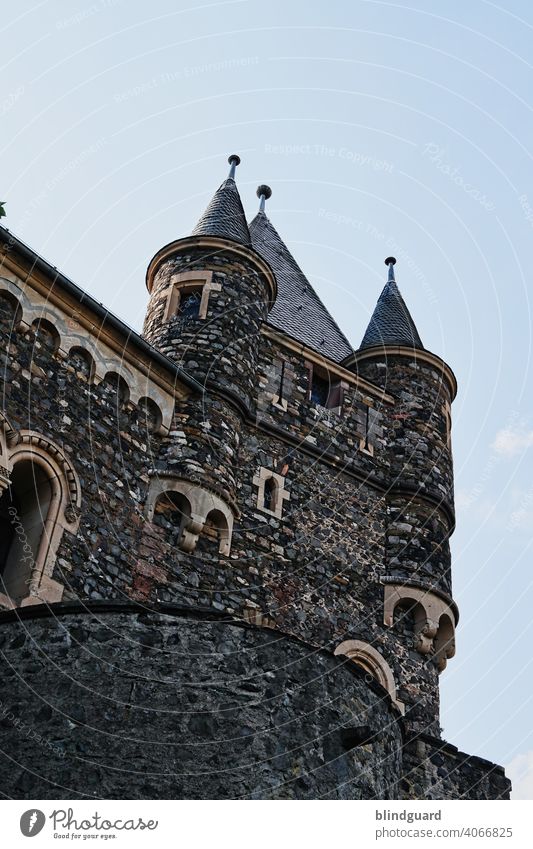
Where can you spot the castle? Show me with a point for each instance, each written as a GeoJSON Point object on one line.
{"type": "Point", "coordinates": [224, 544]}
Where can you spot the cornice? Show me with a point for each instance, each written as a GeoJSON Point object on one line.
{"type": "Point", "coordinates": [416, 354]}
{"type": "Point", "coordinates": [218, 245]}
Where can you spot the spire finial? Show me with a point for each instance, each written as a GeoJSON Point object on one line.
{"type": "Point", "coordinates": [391, 262]}
{"type": "Point", "coordinates": [233, 160]}
{"type": "Point", "coordinates": [263, 193]}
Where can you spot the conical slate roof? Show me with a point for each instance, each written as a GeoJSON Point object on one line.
{"type": "Point", "coordinates": [297, 311]}
{"type": "Point", "coordinates": [391, 322]}
{"type": "Point", "coordinates": [224, 217]}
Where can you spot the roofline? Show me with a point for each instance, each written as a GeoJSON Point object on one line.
{"type": "Point", "coordinates": [219, 244]}
{"type": "Point", "coordinates": [108, 318]}
{"type": "Point", "coordinates": [381, 351]}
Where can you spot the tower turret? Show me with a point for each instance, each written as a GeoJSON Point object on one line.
{"type": "Point", "coordinates": [420, 510]}
{"type": "Point", "coordinates": [209, 295]}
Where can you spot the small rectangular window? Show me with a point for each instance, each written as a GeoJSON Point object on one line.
{"type": "Point", "coordinates": [320, 390]}
{"type": "Point", "coordinates": [189, 303]}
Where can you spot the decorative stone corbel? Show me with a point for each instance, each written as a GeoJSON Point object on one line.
{"type": "Point", "coordinates": [193, 526]}
{"type": "Point", "coordinates": [424, 636]}
{"type": "Point", "coordinates": [203, 504]}
{"type": "Point", "coordinates": [434, 620]}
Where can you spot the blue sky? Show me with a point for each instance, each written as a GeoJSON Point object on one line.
{"type": "Point", "coordinates": [382, 128]}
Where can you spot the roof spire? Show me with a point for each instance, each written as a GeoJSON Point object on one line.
{"type": "Point", "coordinates": [391, 322]}
{"type": "Point", "coordinates": [224, 216]}
{"type": "Point", "coordinates": [263, 193]}
{"type": "Point", "coordinates": [233, 160]}
{"type": "Point", "coordinates": [391, 262]}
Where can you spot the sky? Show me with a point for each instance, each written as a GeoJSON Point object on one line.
{"type": "Point", "coordinates": [382, 128]}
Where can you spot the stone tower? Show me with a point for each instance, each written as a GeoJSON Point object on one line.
{"type": "Point", "coordinates": [239, 533]}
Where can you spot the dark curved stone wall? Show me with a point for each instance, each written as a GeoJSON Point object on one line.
{"type": "Point", "coordinates": [419, 451]}
{"type": "Point", "coordinates": [151, 705]}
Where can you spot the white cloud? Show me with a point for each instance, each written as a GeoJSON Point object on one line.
{"type": "Point", "coordinates": [512, 440]}
{"type": "Point", "coordinates": [520, 771]}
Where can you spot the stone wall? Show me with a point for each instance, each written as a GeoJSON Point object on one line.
{"type": "Point", "coordinates": [162, 705]}
{"type": "Point", "coordinates": [437, 770]}
{"type": "Point", "coordinates": [370, 503]}
{"type": "Point", "coordinates": [109, 441]}
{"type": "Point", "coordinates": [222, 348]}
{"type": "Point", "coordinates": [314, 572]}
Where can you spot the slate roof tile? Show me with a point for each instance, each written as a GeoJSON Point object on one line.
{"type": "Point", "coordinates": [298, 311]}
{"type": "Point", "coordinates": [391, 322]}
{"type": "Point", "coordinates": [224, 216]}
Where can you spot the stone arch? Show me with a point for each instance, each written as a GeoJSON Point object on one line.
{"type": "Point", "coordinates": [13, 293]}
{"type": "Point", "coordinates": [409, 610]}
{"type": "Point", "coordinates": [73, 334]}
{"type": "Point", "coordinates": [175, 508]}
{"type": "Point", "coordinates": [369, 659]}
{"type": "Point", "coordinates": [151, 413]}
{"type": "Point", "coordinates": [216, 520]}
{"type": "Point", "coordinates": [444, 641]}
{"type": "Point", "coordinates": [82, 361]}
{"type": "Point", "coordinates": [11, 299]}
{"type": "Point", "coordinates": [8, 438]}
{"type": "Point", "coordinates": [203, 503]}
{"type": "Point", "coordinates": [57, 498]}
{"type": "Point", "coordinates": [432, 613]}
{"type": "Point", "coordinates": [118, 382]}
{"type": "Point", "coordinates": [47, 334]}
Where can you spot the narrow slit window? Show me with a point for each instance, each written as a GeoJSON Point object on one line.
{"type": "Point", "coordinates": [271, 491]}
{"type": "Point", "coordinates": [269, 498]}
{"type": "Point", "coordinates": [367, 426]}
{"type": "Point", "coordinates": [281, 387]}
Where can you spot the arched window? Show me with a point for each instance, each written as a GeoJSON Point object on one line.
{"type": "Point", "coordinates": [214, 535]}
{"type": "Point", "coordinates": [444, 642]}
{"type": "Point", "coordinates": [271, 491]}
{"type": "Point", "coordinates": [24, 508]}
{"type": "Point", "coordinates": [40, 499]}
